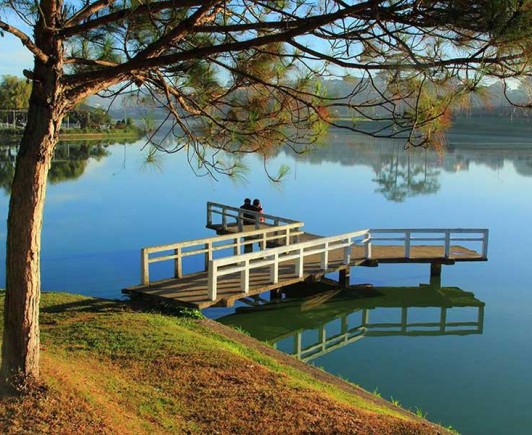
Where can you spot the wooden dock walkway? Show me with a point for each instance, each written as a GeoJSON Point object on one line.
{"type": "Point", "coordinates": [288, 255]}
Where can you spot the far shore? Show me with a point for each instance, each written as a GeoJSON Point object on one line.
{"type": "Point", "coordinates": [94, 135]}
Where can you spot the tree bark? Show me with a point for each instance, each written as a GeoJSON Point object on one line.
{"type": "Point", "coordinates": [20, 346]}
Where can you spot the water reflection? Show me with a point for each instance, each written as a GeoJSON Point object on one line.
{"type": "Point", "coordinates": [407, 174]}
{"type": "Point", "coordinates": [69, 162]}
{"type": "Point", "coordinates": [311, 327]}
{"type": "Point", "coordinates": [400, 174]}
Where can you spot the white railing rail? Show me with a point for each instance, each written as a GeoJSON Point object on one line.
{"type": "Point", "coordinates": [274, 257]}
{"type": "Point", "coordinates": [412, 236]}
{"type": "Point", "coordinates": [286, 234]}
{"type": "Point", "coordinates": [235, 216]}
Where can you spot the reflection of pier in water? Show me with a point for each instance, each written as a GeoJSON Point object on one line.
{"type": "Point", "coordinates": [337, 318]}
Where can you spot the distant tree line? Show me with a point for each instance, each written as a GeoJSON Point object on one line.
{"type": "Point", "coordinates": [14, 102]}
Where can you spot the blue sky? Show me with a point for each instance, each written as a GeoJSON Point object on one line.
{"type": "Point", "coordinates": [14, 57]}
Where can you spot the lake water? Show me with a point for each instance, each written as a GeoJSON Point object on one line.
{"type": "Point", "coordinates": [105, 203]}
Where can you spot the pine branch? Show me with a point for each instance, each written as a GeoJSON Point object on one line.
{"type": "Point", "coordinates": [26, 41]}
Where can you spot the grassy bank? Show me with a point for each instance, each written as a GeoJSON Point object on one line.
{"type": "Point", "coordinates": [110, 367]}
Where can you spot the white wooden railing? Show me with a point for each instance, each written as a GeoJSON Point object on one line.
{"type": "Point", "coordinates": [235, 216]}
{"type": "Point", "coordinates": [287, 234]}
{"type": "Point", "coordinates": [413, 236]}
{"type": "Point", "coordinates": [274, 257]}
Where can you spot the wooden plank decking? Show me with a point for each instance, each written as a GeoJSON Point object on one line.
{"type": "Point", "coordinates": [192, 290]}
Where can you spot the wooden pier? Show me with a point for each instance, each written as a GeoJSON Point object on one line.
{"type": "Point", "coordinates": [288, 255]}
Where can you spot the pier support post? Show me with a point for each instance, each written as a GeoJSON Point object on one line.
{"type": "Point", "coordinates": [435, 275]}
{"type": "Point", "coordinates": [344, 276]}
{"type": "Point", "coordinates": [435, 269]}
{"type": "Point", "coordinates": [435, 281]}
{"type": "Point", "coordinates": [275, 294]}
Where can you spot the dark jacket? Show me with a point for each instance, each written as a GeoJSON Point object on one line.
{"type": "Point", "coordinates": [249, 218]}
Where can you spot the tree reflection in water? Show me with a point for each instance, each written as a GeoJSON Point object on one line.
{"type": "Point", "coordinates": [407, 174]}
{"type": "Point", "coordinates": [69, 162]}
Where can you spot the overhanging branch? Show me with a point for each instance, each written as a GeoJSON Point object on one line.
{"type": "Point", "coordinates": [26, 41]}
{"type": "Point", "coordinates": [72, 29]}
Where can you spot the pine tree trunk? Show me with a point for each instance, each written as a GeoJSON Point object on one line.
{"type": "Point", "coordinates": [20, 346]}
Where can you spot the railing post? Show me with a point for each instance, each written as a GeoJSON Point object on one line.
{"type": "Point", "coordinates": [144, 267]}
{"type": "Point", "coordinates": [208, 254]}
{"type": "Point", "coordinates": [274, 269]}
{"type": "Point", "coordinates": [447, 249]}
{"type": "Point", "coordinates": [237, 249]}
{"type": "Point", "coordinates": [287, 239]}
{"type": "Point", "coordinates": [178, 264]}
{"type": "Point", "coordinates": [485, 244]}
{"type": "Point", "coordinates": [296, 237]}
{"type": "Point", "coordinates": [480, 319]}
{"type": "Point", "coordinates": [404, 318]}
{"type": "Point", "coordinates": [240, 221]}
{"type": "Point", "coordinates": [209, 214]}
{"type": "Point", "coordinates": [244, 277]}
{"type": "Point", "coordinates": [325, 257]}
{"type": "Point", "coordinates": [224, 219]}
{"type": "Point", "coordinates": [297, 345]}
{"type": "Point", "coordinates": [323, 337]}
{"type": "Point", "coordinates": [443, 319]}
{"type": "Point", "coordinates": [347, 253]}
{"type": "Point", "coordinates": [407, 244]}
{"type": "Point", "coordinates": [365, 317]}
{"type": "Point", "coordinates": [263, 242]}
{"type": "Point", "coordinates": [213, 280]}
{"type": "Point", "coordinates": [300, 264]}
{"type": "Point", "coordinates": [345, 324]}
{"type": "Point", "coordinates": [367, 246]}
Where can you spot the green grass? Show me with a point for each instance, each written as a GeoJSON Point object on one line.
{"type": "Point", "coordinates": [420, 413]}
{"type": "Point", "coordinates": [395, 402]}
{"type": "Point", "coordinates": [161, 370]}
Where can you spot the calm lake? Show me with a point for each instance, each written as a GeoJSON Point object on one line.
{"type": "Point", "coordinates": [465, 361]}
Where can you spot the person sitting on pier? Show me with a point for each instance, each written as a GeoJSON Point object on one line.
{"type": "Point", "coordinates": [248, 218]}
{"type": "Point", "coordinates": [258, 207]}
